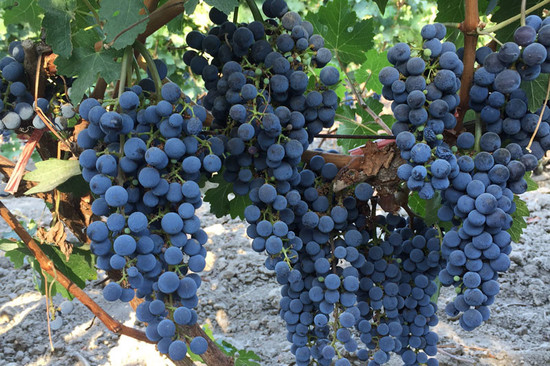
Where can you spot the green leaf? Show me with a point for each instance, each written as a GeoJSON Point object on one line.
{"type": "Point", "coordinates": [8, 244]}
{"type": "Point", "coordinates": [17, 256]}
{"type": "Point", "coordinates": [244, 358]}
{"type": "Point", "coordinates": [76, 185]}
{"type": "Point", "coordinates": [345, 34]}
{"type": "Point", "coordinates": [223, 201]}
{"type": "Point", "coordinates": [435, 296]}
{"type": "Point", "coordinates": [208, 331]}
{"type": "Point", "coordinates": [22, 12]}
{"type": "Point", "coordinates": [427, 209]}
{"type": "Point", "coordinates": [364, 125]}
{"type": "Point", "coordinates": [381, 5]}
{"type": "Point", "coordinates": [531, 184]}
{"type": "Point", "coordinates": [176, 24]}
{"type": "Point", "coordinates": [227, 6]}
{"type": "Point", "coordinates": [190, 6]}
{"type": "Point", "coordinates": [88, 65]}
{"type": "Point", "coordinates": [247, 358]}
{"type": "Point", "coordinates": [349, 125]}
{"type": "Point", "coordinates": [518, 218]}
{"type": "Point", "coordinates": [194, 357]}
{"type": "Point", "coordinates": [453, 12]}
{"type": "Point", "coordinates": [119, 16]}
{"type": "Point", "coordinates": [57, 25]}
{"type": "Point", "coordinates": [536, 91]}
{"type": "Point", "coordinates": [368, 72]}
{"type": "Point", "coordinates": [79, 269]}
{"type": "Point", "coordinates": [51, 173]}
{"type": "Point", "coordinates": [228, 348]}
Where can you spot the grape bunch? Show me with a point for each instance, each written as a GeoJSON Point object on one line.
{"type": "Point", "coordinates": [477, 178]}
{"type": "Point", "coordinates": [352, 284]}
{"type": "Point", "coordinates": [143, 164]}
{"type": "Point", "coordinates": [17, 104]}
{"type": "Point", "coordinates": [423, 89]}
{"type": "Point", "coordinates": [496, 93]}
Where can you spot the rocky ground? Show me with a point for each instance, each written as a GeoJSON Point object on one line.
{"type": "Point", "coordinates": [239, 301]}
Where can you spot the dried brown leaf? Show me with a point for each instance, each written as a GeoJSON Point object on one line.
{"type": "Point", "coordinates": [56, 235]}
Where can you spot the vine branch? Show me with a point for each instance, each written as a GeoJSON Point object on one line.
{"type": "Point", "coordinates": [161, 16]}
{"type": "Point", "coordinates": [469, 28]}
{"type": "Point", "coordinates": [47, 265]}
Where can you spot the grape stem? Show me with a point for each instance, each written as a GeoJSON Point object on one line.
{"type": "Point", "coordinates": [236, 15]}
{"type": "Point", "coordinates": [522, 20]}
{"type": "Point", "coordinates": [126, 64]}
{"type": "Point", "coordinates": [255, 11]}
{"type": "Point", "coordinates": [150, 64]}
{"type": "Point", "coordinates": [478, 132]}
{"type": "Point", "coordinates": [46, 264]}
{"type": "Point", "coordinates": [360, 99]}
{"type": "Point", "coordinates": [543, 108]}
{"type": "Point", "coordinates": [511, 20]}
{"type": "Point", "coordinates": [93, 10]}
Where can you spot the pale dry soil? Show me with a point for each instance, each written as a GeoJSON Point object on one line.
{"type": "Point", "coordinates": [239, 300]}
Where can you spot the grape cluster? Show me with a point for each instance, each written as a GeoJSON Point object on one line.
{"type": "Point", "coordinates": [477, 189]}
{"type": "Point", "coordinates": [496, 93]}
{"type": "Point", "coordinates": [143, 164]}
{"type": "Point", "coordinates": [17, 104]}
{"type": "Point", "coordinates": [424, 89]}
{"type": "Point", "coordinates": [348, 288]}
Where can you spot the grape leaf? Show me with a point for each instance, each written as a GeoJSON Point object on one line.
{"type": "Point", "coordinates": [381, 5]}
{"type": "Point", "coordinates": [76, 185]}
{"type": "Point", "coordinates": [247, 358]}
{"type": "Point", "coordinates": [227, 6]}
{"type": "Point", "coordinates": [349, 125]}
{"type": "Point", "coordinates": [427, 209]}
{"type": "Point", "coordinates": [531, 184]}
{"type": "Point", "coordinates": [365, 125]}
{"type": "Point", "coordinates": [518, 218]}
{"type": "Point", "coordinates": [79, 268]}
{"type": "Point", "coordinates": [51, 173]}
{"type": "Point", "coordinates": [88, 65]}
{"type": "Point", "coordinates": [453, 12]}
{"type": "Point", "coordinates": [57, 25]}
{"type": "Point", "coordinates": [435, 296]}
{"type": "Point", "coordinates": [536, 91]}
{"type": "Point", "coordinates": [7, 244]}
{"type": "Point", "coordinates": [22, 12]}
{"type": "Point", "coordinates": [345, 34]}
{"type": "Point", "coordinates": [17, 254]}
{"type": "Point", "coordinates": [118, 16]}
{"type": "Point", "coordinates": [190, 6]}
{"type": "Point", "coordinates": [220, 202]}
{"type": "Point", "coordinates": [368, 72]}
